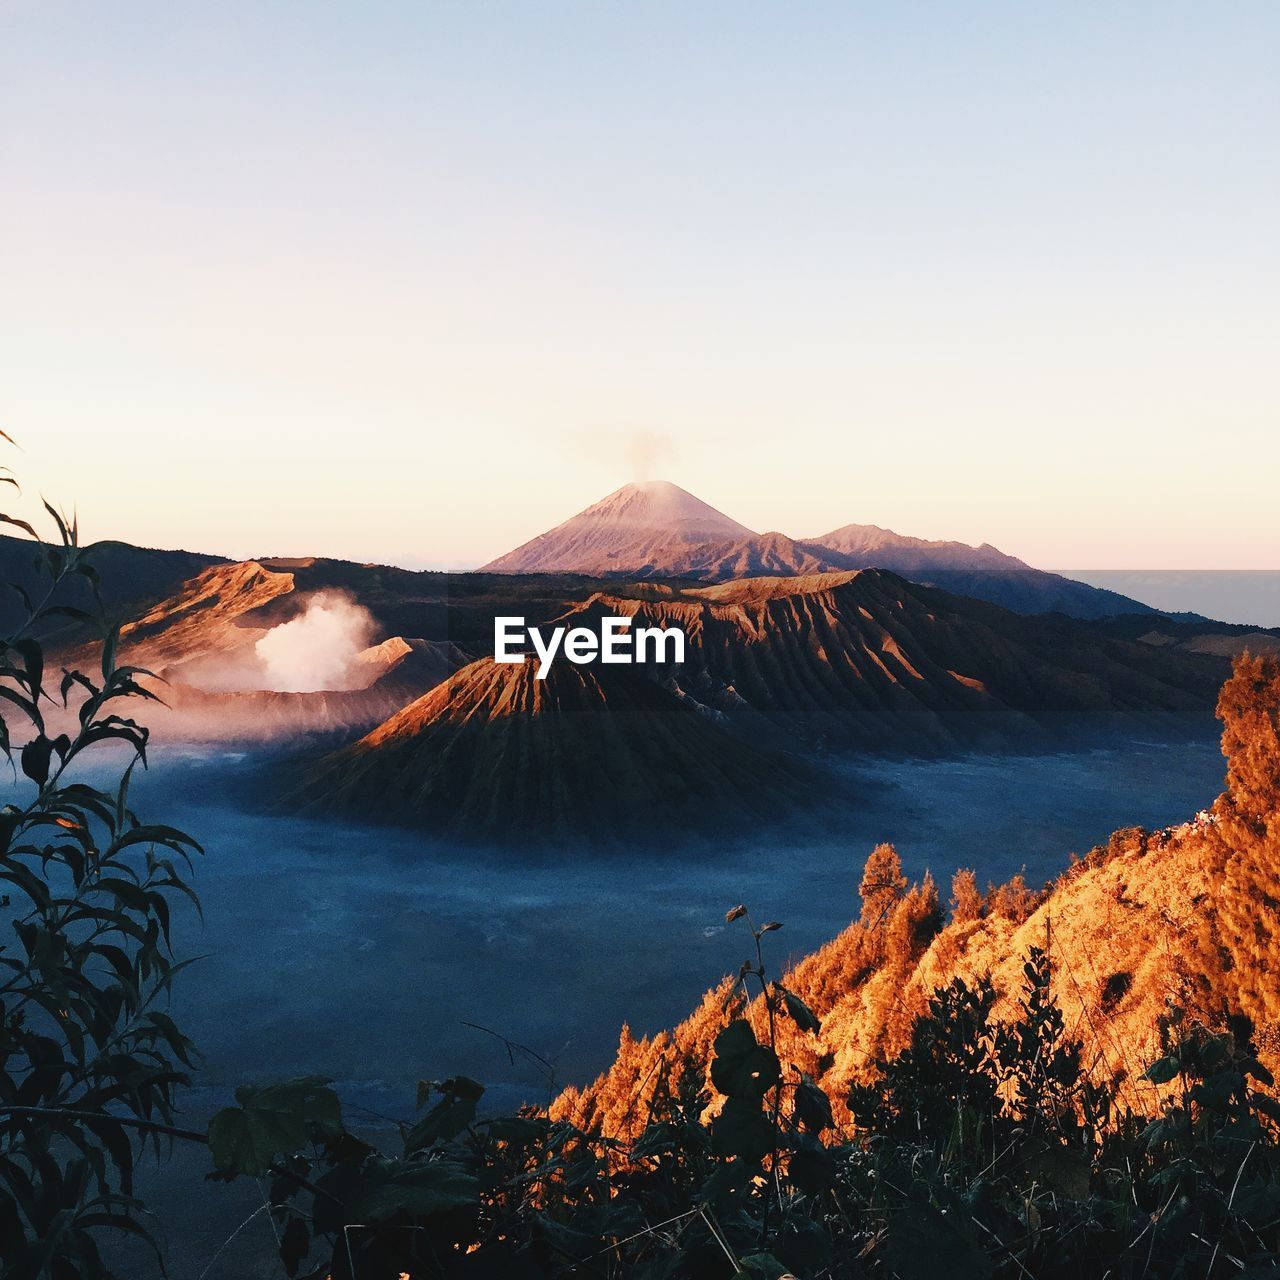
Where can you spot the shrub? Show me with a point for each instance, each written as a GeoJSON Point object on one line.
{"type": "Point", "coordinates": [90, 1062]}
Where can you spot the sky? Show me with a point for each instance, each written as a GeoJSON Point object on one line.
{"type": "Point", "coordinates": [411, 282]}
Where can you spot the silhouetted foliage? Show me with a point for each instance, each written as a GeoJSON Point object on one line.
{"type": "Point", "coordinates": [89, 1060]}
{"type": "Point", "coordinates": [982, 1151]}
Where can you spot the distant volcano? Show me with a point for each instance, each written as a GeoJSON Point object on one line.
{"type": "Point", "coordinates": [651, 527]}
{"type": "Point", "coordinates": [658, 529]}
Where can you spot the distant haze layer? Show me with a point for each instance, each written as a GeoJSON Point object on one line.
{"type": "Point", "coordinates": [1249, 596]}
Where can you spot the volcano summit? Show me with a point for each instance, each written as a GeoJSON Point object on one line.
{"type": "Point", "coordinates": [646, 528]}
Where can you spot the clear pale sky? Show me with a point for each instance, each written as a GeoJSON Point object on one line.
{"type": "Point", "coordinates": [412, 281]}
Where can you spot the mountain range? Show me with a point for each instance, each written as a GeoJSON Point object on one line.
{"type": "Point", "coordinates": [776, 670]}
{"type": "Point", "coordinates": [657, 529]}
{"type": "Point", "coordinates": [868, 660]}
{"type": "Point", "coordinates": [393, 668]}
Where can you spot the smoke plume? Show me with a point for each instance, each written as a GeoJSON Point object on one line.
{"type": "Point", "coordinates": [316, 650]}
{"type": "Point", "coordinates": [647, 451]}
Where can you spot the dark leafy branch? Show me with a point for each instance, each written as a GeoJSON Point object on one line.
{"type": "Point", "coordinates": [86, 961]}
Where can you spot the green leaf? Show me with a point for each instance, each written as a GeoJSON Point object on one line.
{"type": "Point", "coordinates": [813, 1107]}
{"type": "Point", "coordinates": [729, 1179]}
{"type": "Point", "coordinates": [33, 658]}
{"type": "Point", "coordinates": [924, 1244]}
{"type": "Point", "coordinates": [1252, 1067]}
{"type": "Point", "coordinates": [35, 759]}
{"type": "Point", "coordinates": [741, 1067]}
{"type": "Point", "coordinates": [516, 1130]}
{"type": "Point", "coordinates": [418, 1189]}
{"type": "Point", "coordinates": [657, 1139]}
{"type": "Point", "coordinates": [20, 524]}
{"type": "Point", "coordinates": [463, 1087]}
{"type": "Point", "coordinates": [567, 1241]}
{"type": "Point", "coordinates": [742, 1129]}
{"type": "Point", "coordinates": [1162, 1070]}
{"type": "Point", "coordinates": [812, 1167]}
{"type": "Point", "coordinates": [800, 1013]}
{"type": "Point", "coordinates": [445, 1120]}
{"type": "Point", "coordinates": [762, 1266]}
{"type": "Point", "coordinates": [449, 1117]}
{"type": "Point", "coordinates": [270, 1121]}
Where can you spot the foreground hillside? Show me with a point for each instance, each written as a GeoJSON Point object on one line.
{"type": "Point", "coordinates": [1185, 918]}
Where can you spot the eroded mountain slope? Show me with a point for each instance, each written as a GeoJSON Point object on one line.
{"type": "Point", "coordinates": [1185, 920]}
{"type": "Point", "coordinates": [496, 753]}
{"type": "Point", "coordinates": [869, 660]}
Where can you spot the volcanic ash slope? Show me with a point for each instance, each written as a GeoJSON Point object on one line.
{"type": "Point", "coordinates": [494, 753]}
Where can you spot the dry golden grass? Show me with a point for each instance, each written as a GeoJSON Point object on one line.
{"type": "Point", "coordinates": [1187, 918]}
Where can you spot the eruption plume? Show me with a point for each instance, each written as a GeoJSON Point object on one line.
{"type": "Point", "coordinates": [316, 650]}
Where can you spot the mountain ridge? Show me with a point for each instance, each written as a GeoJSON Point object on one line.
{"type": "Point", "coordinates": [660, 530]}
{"type": "Point", "coordinates": [862, 660]}
{"type": "Point", "coordinates": [871, 546]}
{"type": "Point", "coordinates": [874, 661]}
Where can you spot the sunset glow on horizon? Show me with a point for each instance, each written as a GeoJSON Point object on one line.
{"type": "Point", "coordinates": [411, 284]}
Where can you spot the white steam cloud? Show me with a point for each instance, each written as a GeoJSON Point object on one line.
{"type": "Point", "coordinates": [317, 649]}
